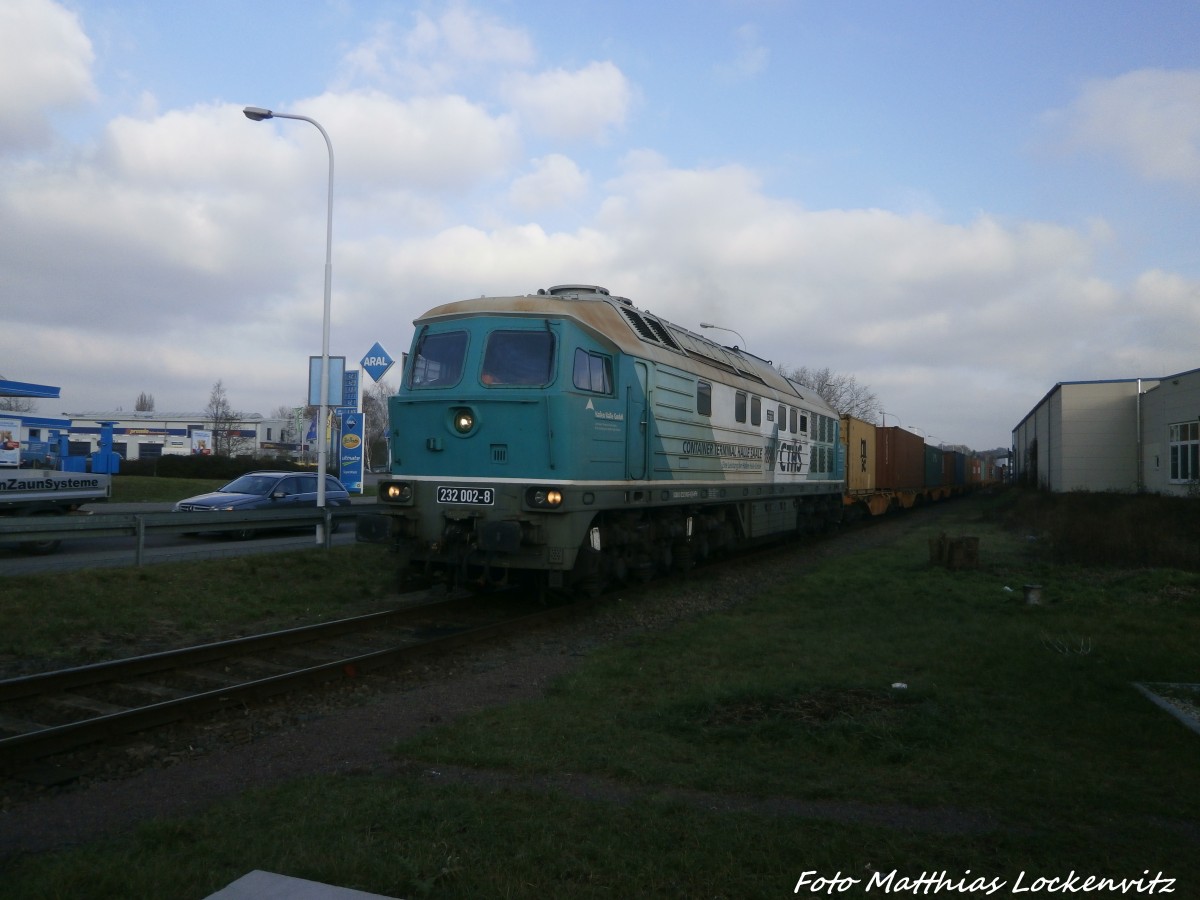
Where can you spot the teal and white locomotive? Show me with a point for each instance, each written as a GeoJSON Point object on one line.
{"type": "Point", "coordinates": [569, 436]}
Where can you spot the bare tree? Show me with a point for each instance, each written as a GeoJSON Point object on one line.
{"type": "Point", "coordinates": [297, 424]}
{"type": "Point", "coordinates": [375, 414]}
{"type": "Point", "coordinates": [145, 402]}
{"type": "Point", "coordinates": [225, 423]}
{"type": "Point", "coordinates": [842, 392]}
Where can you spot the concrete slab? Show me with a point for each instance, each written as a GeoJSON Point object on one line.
{"type": "Point", "coordinates": [1182, 700]}
{"type": "Point", "coordinates": [259, 885]}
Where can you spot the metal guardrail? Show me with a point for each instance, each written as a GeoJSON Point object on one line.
{"type": "Point", "coordinates": [19, 529]}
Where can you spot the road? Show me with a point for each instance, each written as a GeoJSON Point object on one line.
{"type": "Point", "coordinates": [95, 553]}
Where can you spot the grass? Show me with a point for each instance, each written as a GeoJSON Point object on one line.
{"type": "Point", "coordinates": [76, 617]}
{"type": "Point", "coordinates": [148, 489]}
{"type": "Point", "coordinates": [1014, 714]}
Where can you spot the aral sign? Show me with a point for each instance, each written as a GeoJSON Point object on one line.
{"type": "Point", "coordinates": [376, 362]}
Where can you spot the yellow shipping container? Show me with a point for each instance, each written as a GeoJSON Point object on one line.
{"type": "Point", "coordinates": [858, 438]}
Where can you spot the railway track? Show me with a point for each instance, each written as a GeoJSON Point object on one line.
{"type": "Point", "coordinates": [54, 712]}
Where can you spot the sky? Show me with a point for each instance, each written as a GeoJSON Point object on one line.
{"type": "Point", "coordinates": [958, 204]}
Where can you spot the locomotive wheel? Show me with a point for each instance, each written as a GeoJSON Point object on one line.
{"type": "Point", "coordinates": [592, 572]}
{"type": "Point", "coordinates": [683, 559]}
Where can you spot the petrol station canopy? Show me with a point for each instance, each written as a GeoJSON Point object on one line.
{"type": "Point", "coordinates": [24, 389]}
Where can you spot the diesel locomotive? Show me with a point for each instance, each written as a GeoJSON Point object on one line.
{"type": "Point", "coordinates": [571, 438]}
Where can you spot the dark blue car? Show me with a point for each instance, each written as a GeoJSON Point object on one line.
{"type": "Point", "coordinates": [267, 490]}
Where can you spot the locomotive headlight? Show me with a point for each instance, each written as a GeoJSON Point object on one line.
{"type": "Point", "coordinates": [464, 421]}
{"type": "Point", "coordinates": [395, 492]}
{"type": "Point", "coordinates": [544, 498]}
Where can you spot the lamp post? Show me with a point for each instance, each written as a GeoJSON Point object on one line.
{"type": "Point", "coordinates": [722, 328]}
{"type": "Point", "coordinates": [258, 114]}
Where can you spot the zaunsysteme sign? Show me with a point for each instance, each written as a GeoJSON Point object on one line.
{"type": "Point", "coordinates": [18, 483]}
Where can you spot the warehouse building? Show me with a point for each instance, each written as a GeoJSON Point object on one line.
{"type": "Point", "coordinates": [1171, 435]}
{"type": "Point", "coordinates": [149, 435]}
{"type": "Point", "coordinates": [1125, 435]}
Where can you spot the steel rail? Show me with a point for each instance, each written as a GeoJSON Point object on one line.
{"type": "Point", "coordinates": [165, 660]}
{"type": "Point", "coordinates": [26, 747]}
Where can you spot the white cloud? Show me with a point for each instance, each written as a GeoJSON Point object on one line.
{"type": "Point", "coordinates": [555, 181]}
{"type": "Point", "coordinates": [1149, 118]}
{"type": "Point", "coordinates": [913, 306]}
{"type": "Point", "coordinates": [435, 53]}
{"type": "Point", "coordinates": [435, 143]}
{"type": "Point", "coordinates": [583, 104]}
{"type": "Point", "coordinates": [45, 64]}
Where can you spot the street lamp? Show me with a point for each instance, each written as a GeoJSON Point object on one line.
{"type": "Point", "coordinates": [722, 328]}
{"type": "Point", "coordinates": [258, 114]}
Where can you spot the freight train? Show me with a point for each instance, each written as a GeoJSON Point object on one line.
{"type": "Point", "coordinates": [573, 439]}
{"type": "Point", "coordinates": [889, 468]}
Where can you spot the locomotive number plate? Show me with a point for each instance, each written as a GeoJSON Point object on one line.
{"type": "Point", "coordinates": [472, 495]}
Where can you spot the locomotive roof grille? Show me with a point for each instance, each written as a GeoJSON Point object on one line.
{"type": "Point", "coordinates": [655, 331]}
{"type": "Point", "coordinates": [661, 331]}
{"type": "Point", "coordinates": [645, 332]}
{"type": "Point", "coordinates": [649, 328]}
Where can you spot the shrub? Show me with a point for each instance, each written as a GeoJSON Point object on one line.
{"type": "Point", "coordinates": [226, 467]}
{"type": "Point", "coordinates": [1108, 529]}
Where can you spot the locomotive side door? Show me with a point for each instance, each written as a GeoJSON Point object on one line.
{"type": "Point", "coordinates": [636, 425]}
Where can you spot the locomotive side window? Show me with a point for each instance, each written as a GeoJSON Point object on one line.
{"type": "Point", "coordinates": [781, 418]}
{"type": "Point", "coordinates": [593, 372]}
{"type": "Point", "coordinates": [755, 411]}
{"type": "Point", "coordinates": [704, 398]}
{"type": "Point", "coordinates": [792, 420]}
{"type": "Point", "coordinates": [739, 407]}
{"type": "Point", "coordinates": [438, 359]}
{"type": "Point", "coordinates": [518, 358]}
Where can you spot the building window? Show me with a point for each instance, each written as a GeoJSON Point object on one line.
{"type": "Point", "coordinates": [1185, 451]}
{"type": "Point", "coordinates": [704, 398]}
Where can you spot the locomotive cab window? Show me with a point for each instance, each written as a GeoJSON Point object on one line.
{"type": "Point", "coordinates": [438, 359]}
{"type": "Point", "coordinates": [593, 372]}
{"type": "Point", "coordinates": [704, 398]}
{"type": "Point", "coordinates": [518, 358]}
{"type": "Point", "coordinates": [755, 411]}
{"type": "Point", "coordinates": [739, 407]}
{"type": "Point", "coordinates": [792, 420]}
